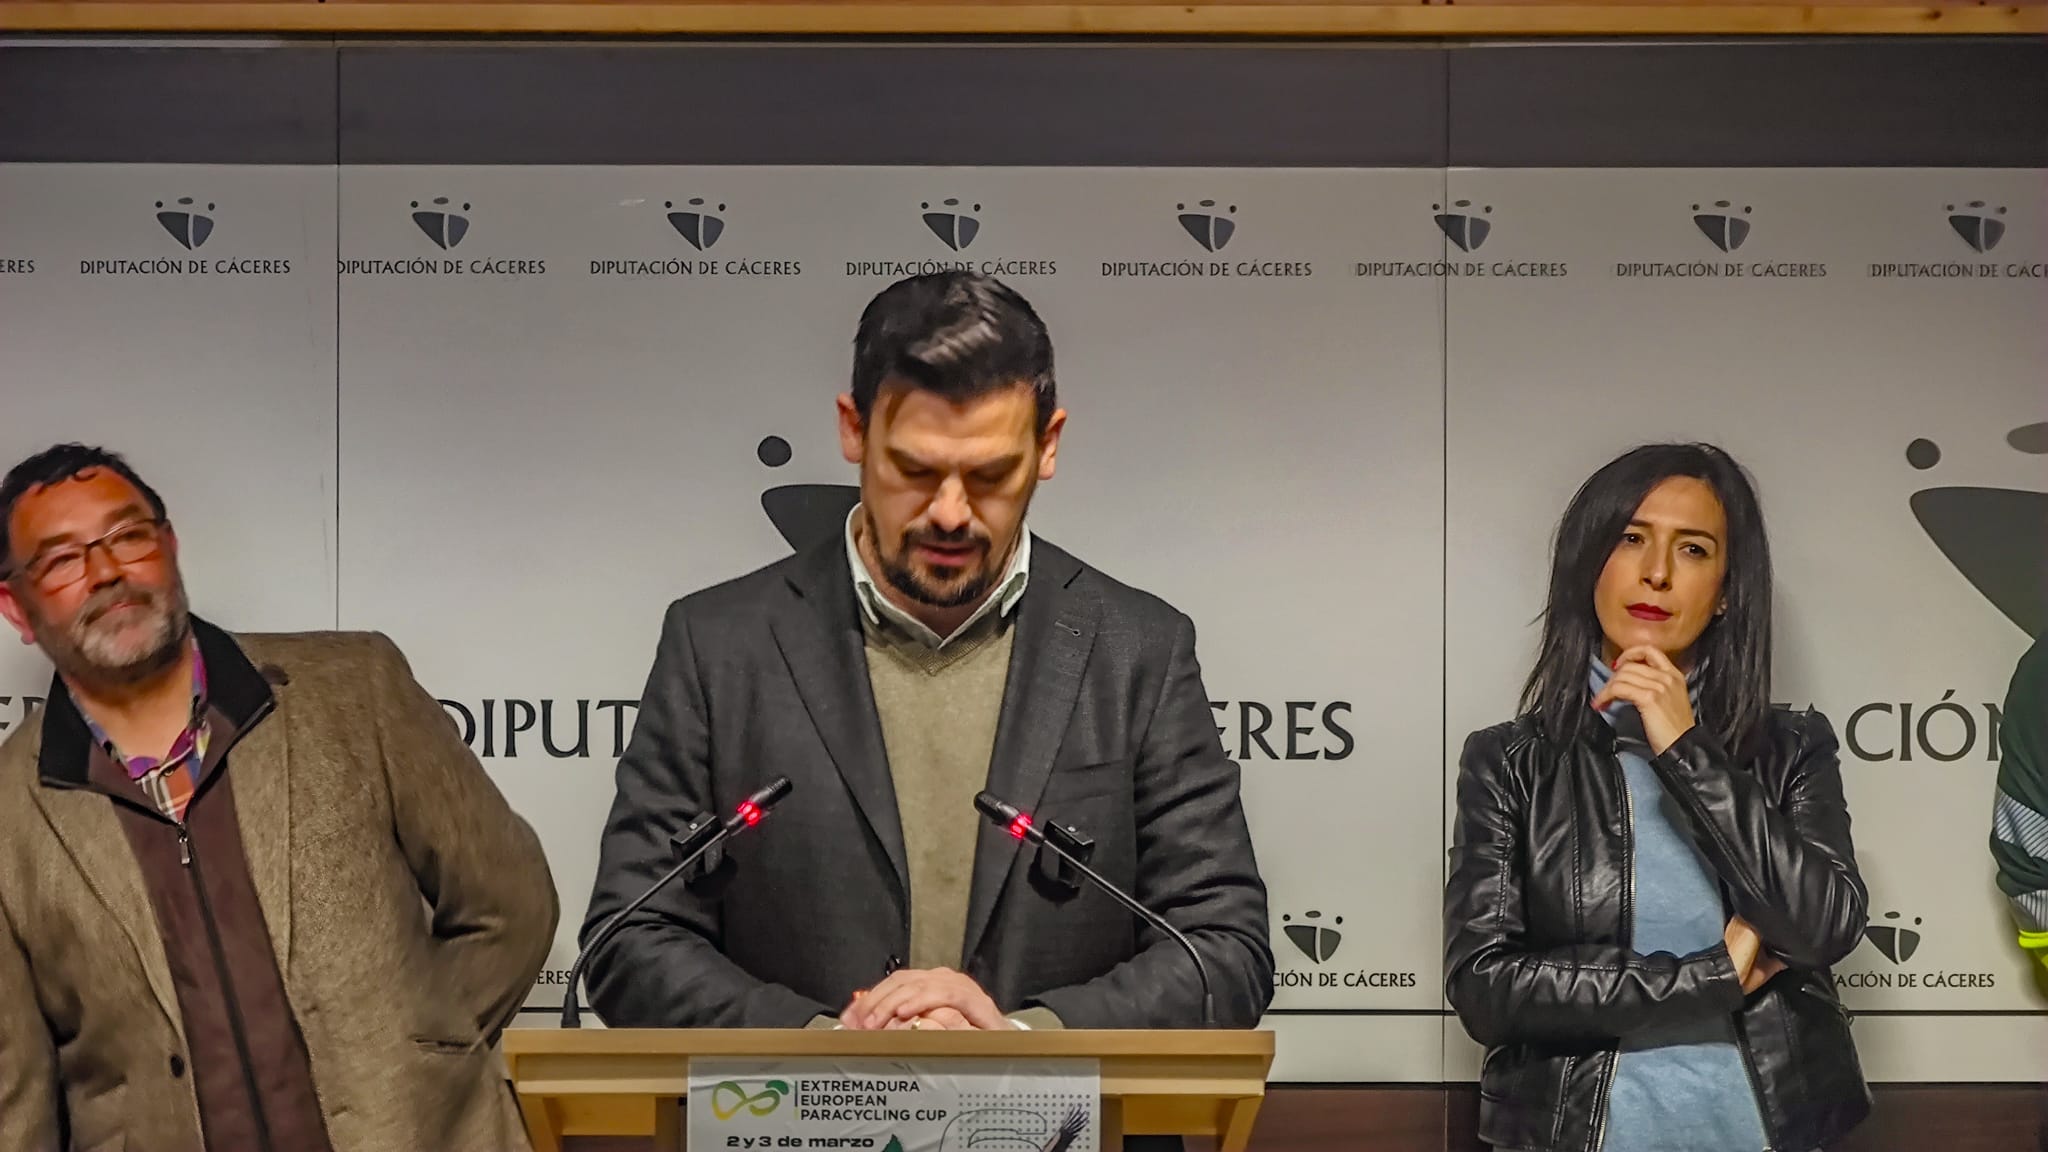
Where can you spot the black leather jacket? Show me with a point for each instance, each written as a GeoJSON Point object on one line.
{"type": "Point", "coordinates": [1538, 911]}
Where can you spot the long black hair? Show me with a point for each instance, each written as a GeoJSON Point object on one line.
{"type": "Point", "coordinates": [1735, 681]}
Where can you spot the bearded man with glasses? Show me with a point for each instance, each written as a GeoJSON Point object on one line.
{"type": "Point", "coordinates": [313, 952]}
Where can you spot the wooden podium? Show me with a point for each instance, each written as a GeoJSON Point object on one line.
{"type": "Point", "coordinates": [632, 1082]}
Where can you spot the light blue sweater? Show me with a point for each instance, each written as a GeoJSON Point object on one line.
{"type": "Point", "coordinates": [1679, 1085]}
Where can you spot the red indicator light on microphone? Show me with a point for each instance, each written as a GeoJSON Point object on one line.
{"type": "Point", "coordinates": [1021, 825]}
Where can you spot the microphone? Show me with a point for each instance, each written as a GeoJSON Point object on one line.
{"type": "Point", "coordinates": [1018, 823]}
{"type": "Point", "coordinates": [706, 833]}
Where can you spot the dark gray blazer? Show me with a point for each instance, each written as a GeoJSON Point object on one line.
{"type": "Point", "coordinates": [1105, 726]}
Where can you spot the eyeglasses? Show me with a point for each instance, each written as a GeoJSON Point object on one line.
{"type": "Point", "coordinates": [131, 543]}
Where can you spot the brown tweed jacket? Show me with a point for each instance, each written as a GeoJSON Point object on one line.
{"type": "Point", "coordinates": [409, 908]}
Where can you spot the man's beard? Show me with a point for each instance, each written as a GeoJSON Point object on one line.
{"type": "Point", "coordinates": [98, 648]}
{"type": "Point", "coordinates": [904, 576]}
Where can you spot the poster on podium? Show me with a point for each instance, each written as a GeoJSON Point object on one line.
{"type": "Point", "coordinates": [895, 1106]}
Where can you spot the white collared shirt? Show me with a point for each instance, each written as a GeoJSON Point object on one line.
{"type": "Point", "coordinates": [876, 606]}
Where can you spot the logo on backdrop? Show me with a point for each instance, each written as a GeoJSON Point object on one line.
{"type": "Point", "coordinates": [447, 224]}
{"type": "Point", "coordinates": [1466, 225]}
{"type": "Point", "coordinates": [955, 227]}
{"type": "Point", "coordinates": [1728, 226]}
{"type": "Point", "coordinates": [1723, 224]}
{"type": "Point", "coordinates": [805, 514]}
{"type": "Point", "coordinates": [1897, 939]}
{"type": "Point", "coordinates": [1213, 225]}
{"type": "Point", "coordinates": [701, 224]}
{"type": "Point", "coordinates": [956, 224]}
{"type": "Point", "coordinates": [1980, 226]}
{"type": "Point", "coordinates": [1997, 539]}
{"type": "Point", "coordinates": [1465, 229]}
{"type": "Point", "coordinates": [443, 223]}
{"type": "Point", "coordinates": [696, 222]}
{"type": "Point", "coordinates": [190, 223]}
{"type": "Point", "coordinates": [1317, 940]}
{"type": "Point", "coordinates": [186, 223]}
{"type": "Point", "coordinates": [1209, 225]}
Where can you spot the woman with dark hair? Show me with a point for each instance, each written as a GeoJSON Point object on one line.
{"type": "Point", "coordinates": [1652, 870]}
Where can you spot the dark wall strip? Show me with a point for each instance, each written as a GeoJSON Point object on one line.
{"type": "Point", "coordinates": [1810, 104]}
{"type": "Point", "coordinates": [167, 105]}
{"type": "Point", "coordinates": [1223, 106]}
{"type": "Point", "coordinates": [1891, 102]}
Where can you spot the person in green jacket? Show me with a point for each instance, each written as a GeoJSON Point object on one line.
{"type": "Point", "coordinates": [2019, 821]}
{"type": "Point", "coordinates": [2019, 818]}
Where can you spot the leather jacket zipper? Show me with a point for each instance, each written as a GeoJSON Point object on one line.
{"type": "Point", "coordinates": [1628, 932]}
{"type": "Point", "coordinates": [1755, 1085]}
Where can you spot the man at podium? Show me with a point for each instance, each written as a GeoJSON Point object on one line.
{"type": "Point", "coordinates": [932, 649]}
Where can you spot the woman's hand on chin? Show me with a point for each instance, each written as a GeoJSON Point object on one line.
{"type": "Point", "coordinates": [1645, 677]}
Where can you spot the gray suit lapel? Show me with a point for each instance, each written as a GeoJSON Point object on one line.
{"type": "Point", "coordinates": [818, 631]}
{"type": "Point", "coordinates": [1055, 632]}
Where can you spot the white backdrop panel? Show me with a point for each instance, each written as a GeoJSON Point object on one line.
{"type": "Point", "coordinates": [200, 346]}
{"type": "Point", "coordinates": [552, 429]}
{"type": "Point", "coordinates": [1819, 383]}
{"type": "Point", "coordinates": [536, 463]}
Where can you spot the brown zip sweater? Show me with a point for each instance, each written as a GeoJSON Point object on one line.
{"type": "Point", "coordinates": [246, 1057]}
